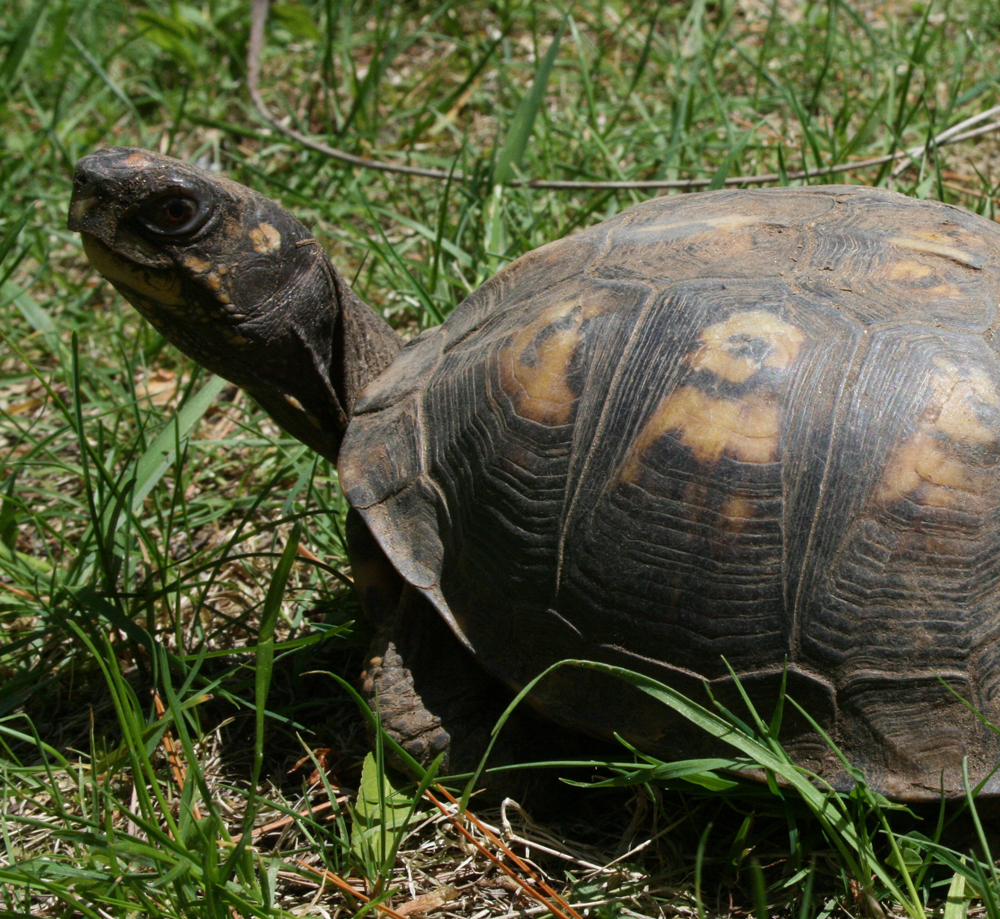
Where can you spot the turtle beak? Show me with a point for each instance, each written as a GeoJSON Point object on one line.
{"type": "Point", "coordinates": [106, 186]}
{"type": "Point", "coordinates": [86, 215]}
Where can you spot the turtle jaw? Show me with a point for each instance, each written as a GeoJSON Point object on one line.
{"type": "Point", "coordinates": [149, 290]}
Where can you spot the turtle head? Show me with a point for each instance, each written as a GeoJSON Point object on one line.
{"type": "Point", "coordinates": [234, 281]}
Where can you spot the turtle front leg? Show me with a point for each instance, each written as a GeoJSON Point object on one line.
{"type": "Point", "coordinates": [429, 693]}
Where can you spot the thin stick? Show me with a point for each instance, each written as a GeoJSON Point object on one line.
{"type": "Point", "coordinates": [338, 881]}
{"type": "Point", "coordinates": [173, 755]}
{"type": "Point", "coordinates": [508, 852]}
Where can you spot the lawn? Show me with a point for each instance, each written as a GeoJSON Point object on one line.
{"type": "Point", "coordinates": [178, 733]}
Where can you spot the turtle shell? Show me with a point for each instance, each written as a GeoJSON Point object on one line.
{"type": "Point", "coordinates": [746, 430]}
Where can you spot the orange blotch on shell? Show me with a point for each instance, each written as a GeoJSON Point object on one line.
{"type": "Point", "coordinates": [744, 429]}
{"type": "Point", "coordinates": [724, 345]}
{"type": "Point", "coordinates": [932, 243]}
{"type": "Point", "coordinates": [929, 468]}
{"type": "Point", "coordinates": [736, 512]}
{"type": "Point", "coordinates": [137, 160]}
{"type": "Point", "coordinates": [535, 366]}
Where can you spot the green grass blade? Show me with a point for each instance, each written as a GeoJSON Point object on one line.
{"type": "Point", "coordinates": [824, 805]}
{"type": "Point", "coordinates": [262, 678]}
{"type": "Point", "coordinates": [20, 44]}
{"type": "Point", "coordinates": [162, 452]}
{"type": "Point", "coordinates": [515, 144]}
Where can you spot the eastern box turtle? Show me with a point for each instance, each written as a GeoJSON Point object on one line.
{"type": "Point", "coordinates": [746, 429]}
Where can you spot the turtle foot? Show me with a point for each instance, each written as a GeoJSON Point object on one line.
{"type": "Point", "coordinates": [432, 697]}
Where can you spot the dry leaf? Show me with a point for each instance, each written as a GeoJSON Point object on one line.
{"type": "Point", "coordinates": [428, 901]}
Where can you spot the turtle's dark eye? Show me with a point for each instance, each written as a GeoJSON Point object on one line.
{"type": "Point", "coordinates": [174, 215]}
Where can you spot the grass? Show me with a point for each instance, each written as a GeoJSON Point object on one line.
{"type": "Point", "coordinates": [173, 583]}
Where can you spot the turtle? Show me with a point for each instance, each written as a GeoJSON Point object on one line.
{"type": "Point", "coordinates": [744, 442]}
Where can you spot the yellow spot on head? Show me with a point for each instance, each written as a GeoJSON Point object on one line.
{"type": "Point", "coordinates": [738, 347]}
{"type": "Point", "coordinates": [81, 206]}
{"type": "Point", "coordinates": [265, 239]}
{"type": "Point", "coordinates": [162, 288]}
{"type": "Point", "coordinates": [195, 264]}
{"type": "Point", "coordinates": [138, 160]}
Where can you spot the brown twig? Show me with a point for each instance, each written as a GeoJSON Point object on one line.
{"type": "Point", "coordinates": [563, 911]}
{"type": "Point", "coordinates": [173, 755]}
{"type": "Point", "coordinates": [952, 135]}
{"type": "Point", "coordinates": [285, 821]}
{"type": "Point", "coordinates": [338, 881]}
{"type": "Point", "coordinates": [18, 592]}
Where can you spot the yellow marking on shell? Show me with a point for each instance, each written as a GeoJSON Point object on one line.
{"type": "Point", "coordinates": [744, 429]}
{"type": "Point", "coordinates": [911, 271]}
{"type": "Point", "coordinates": [213, 281]}
{"type": "Point", "coordinates": [929, 467]}
{"type": "Point", "coordinates": [535, 365]}
{"type": "Point", "coordinates": [160, 288]}
{"type": "Point", "coordinates": [921, 469]}
{"type": "Point", "coordinates": [736, 512]}
{"type": "Point", "coordinates": [730, 230]}
{"type": "Point", "coordinates": [724, 345]}
{"type": "Point", "coordinates": [908, 270]}
{"type": "Point", "coordinates": [936, 244]}
{"type": "Point", "coordinates": [724, 222]}
{"type": "Point", "coordinates": [265, 239]}
{"type": "Point", "coordinates": [958, 391]}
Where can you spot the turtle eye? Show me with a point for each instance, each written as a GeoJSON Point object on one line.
{"type": "Point", "coordinates": [174, 214]}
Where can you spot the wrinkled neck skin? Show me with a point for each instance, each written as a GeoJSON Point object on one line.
{"type": "Point", "coordinates": [310, 353]}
